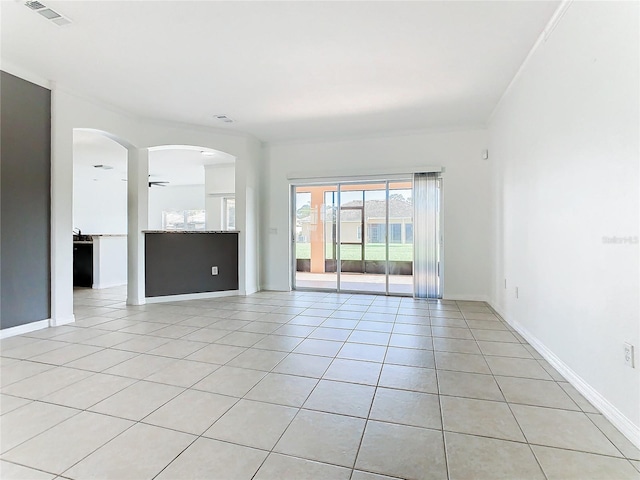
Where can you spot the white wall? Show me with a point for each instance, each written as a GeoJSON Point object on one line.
{"type": "Point", "coordinates": [564, 152]}
{"type": "Point", "coordinates": [220, 181]}
{"type": "Point", "coordinates": [178, 197]}
{"type": "Point", "coordinates": [100, 206]}
{"type": "Point", "coordinates": [466, 190]}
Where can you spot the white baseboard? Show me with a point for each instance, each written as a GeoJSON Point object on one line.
{"type": "Point", "coordinates": [57, 321]}
{"type": "Point", "coordinates": [192, 296]}
{"type": "Point", "coordinates": [26, 328]}
{"type": "Point", "coordinates": [610, 411]}
{"type": "Point", "coordinates": [470, 298]}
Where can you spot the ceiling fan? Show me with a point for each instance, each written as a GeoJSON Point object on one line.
{"type": "Point", "coordinates": [157, 183]}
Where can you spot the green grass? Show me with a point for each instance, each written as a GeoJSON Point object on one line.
{"type": "Point", "coordinates": [373, 251]}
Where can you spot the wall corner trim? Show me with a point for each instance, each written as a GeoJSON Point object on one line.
{"type": "Point", "coordinates": [610, 411]}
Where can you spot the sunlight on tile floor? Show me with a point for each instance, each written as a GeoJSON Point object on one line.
{"type": "Point", "coordinates": [300, 385]}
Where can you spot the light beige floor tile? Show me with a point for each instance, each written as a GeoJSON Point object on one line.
{"type": "Point", "coordinates": [11, 471]}
{"type": "Point", "coordinates": [141, 344]}
{"type": "Point", "coordinates": [264, 328]}
{"type": "Point", "coordinates": [542, 393]}
{"type": "Point", "coordinates": [304, 365]}
{"type": "Point", "coordinates": [480, 417]}
{"type": "Point", "coordinates": [178, 348]}
{"type": "Point", "coordinates": [256, 359]}
{"type": "Point", "coordinates": [452, 332]}
{"type": "Point", "coordinates": [295, 330]}
{"type": "Point", "coordinates": [335, 438]}
{"type": "Point", "coordinates": [483, 315]}
{"type": "Point", "coordinates": [9, 403]}
{"type": "Point", "coordinates": [370, 338]}
{"type": "Point", "coordinates": [183, 373]}
{"type": "Point", "coordinates": [331, 334]}
{"type": "Point", "coordinates": [406, 408]}
{"type": "Point", "coordinates": [192, 411]}
{"type": "Point", "coordinates": [32, 349]}
{"type": "Point", "coordinates": [137, 401]}
{"type": "Point", "coordinates": [411, 341]}
{"type": "Point", "coordinates": [341, 323]}
{"type": "Point", "coordinates": [562, 429]}
{"type": "Point", "coordinates": [218, 354]}
{"type": "Point", "coordinates": [360, 351]}
{"type": "Point", "coordinates": [18, 370]}
{"type": "Point", "coordinates": [290, 390]}
{"type": "Point", "coordinates": [412, 329]}
{"type": "Point", "coordinates": [354, 371]}
{"type": "Point", "coordinates": [621, 442]}
{"type": "Point", "coordinates": [239, 424]}
{"type": "Point", "coordinates": [410, 453]}
{"type": "Point", "coordinates": [582, 402]}
{"type": "Point", "coordinates": [45, 383]}
{"type": "Point", "coordinates": [568, 465]}
{"type": "Point", "coordinates": [342, 398]}
{"type": "Point", "coordinates": [517, 367]}
{"type": "Point", "coordinates": [15, 342]}
{"type": "Point", "coordinates": [448, 322]}
{"type": "Point", "coordinates": [109, 339]}
{"type": "Point", "coordinates": [241, 339]}
{"type": "Point", "coordinates": [470, 385]}
{"type": "Point", "coordinates": [63, 355]}
{"type": "Point", "coordinates": [410, 357]}
{"type": "Point", "coordinates": [366, 325]}
{"type": "Point", "coordinates": [307, 320]}
{"type": "Point", "coordinates": [89, 391]}
{"type": "Point", "coordinates": [279, 343]}
{"type": "Point", "coordinates": [100, 361]}
{"type": "Point", "coordinates": [360, 475]}
{"type": "Point", "coordinates": [282, 467]}
{"type": "Point", "coordinates": [494, 335]}
{"type": "Point", "coordinates": [488, 458]}
{"type": "Point", "coordinates": [551, 371]}
{"type": "Point", "coordinates": [214, 460]}
{"type": "Point", "coordinates": [68, 442]}
{"type": "Point", "coordinates": [461, 362]}
{"type": "Point", "coordinates": [486, 325]}
{"type": "Point", "coordinates": [174, 331]}
{"type": "Point", "coordinates": [141, 453]}
{"type": "Point", "coordinates": [455, 345]}
{"type": "Point", "coordinates": [140, 367]}
{"type": "Point", "coordinates": [325, 348]}
{"type": "Point", "coordinates": [502, 349]}
{"type": "Point", "coordinates": [30, 420]}
{"type": "Point", "coordinates": [409, 378]}
{"type": "Point", "coordinates": [206, 334]}
{"type": "Point", "coordinates": [636, 463]}
{"type": "Point", "coordinates": [230, 381]}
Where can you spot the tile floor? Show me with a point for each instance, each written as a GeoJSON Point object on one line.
{"type": "Point", "coordinates": [294, 386]}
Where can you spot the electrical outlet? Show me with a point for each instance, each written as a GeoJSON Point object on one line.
{"type": "Point", "coordinates": [517, 293]}
{"type": "Point", "coordinates": [629, 355]}
{"type": "Point", "coordinates": [214, 270]}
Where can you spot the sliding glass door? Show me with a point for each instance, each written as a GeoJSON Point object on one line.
{"type": "Point", "coordinates": [354, 237]}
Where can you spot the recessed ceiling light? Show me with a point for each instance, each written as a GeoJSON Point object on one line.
{"type": "Point", "coordinates": [207, 154]}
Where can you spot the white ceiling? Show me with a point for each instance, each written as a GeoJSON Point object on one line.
{"type": "Point", "coordinates": [284, 70]}
{"type": "Point", "coordinates": [178, 166]}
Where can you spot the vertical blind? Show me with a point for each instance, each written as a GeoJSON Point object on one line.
{"type": "Point", "coordinates": [426, 232]}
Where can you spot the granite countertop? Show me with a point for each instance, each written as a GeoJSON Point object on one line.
{"type": "Point", "coordinates": [190, 231]}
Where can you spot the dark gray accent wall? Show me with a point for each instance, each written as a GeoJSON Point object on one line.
{"type": "Point", "coordinates": [180, 263]}
{"type": "Point", "coordinates": [25, 202]}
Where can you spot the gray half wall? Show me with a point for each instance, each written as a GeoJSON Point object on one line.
{"type": "Point", "coordinates": [25, 202]}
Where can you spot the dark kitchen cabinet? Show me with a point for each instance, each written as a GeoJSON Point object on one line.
{"type": "Point", "coordinates": [83, 264]}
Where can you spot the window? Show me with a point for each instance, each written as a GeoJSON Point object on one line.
{"type": "Point", "coordinates": [375, 232]}
{"type": "Point", "coordinates": [395, 233]}
{"type": "Point", "coordinates": [183, 220]}
{"type": "Point", "coordinates": [229, 213]}
{"type": "Point", "coordinates": [409, 233]}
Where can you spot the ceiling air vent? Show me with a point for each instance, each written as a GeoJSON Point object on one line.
{"type": "Point", "coordinates": [223, 118]}
{"type": "Point", "coordinates": [47, 12]}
